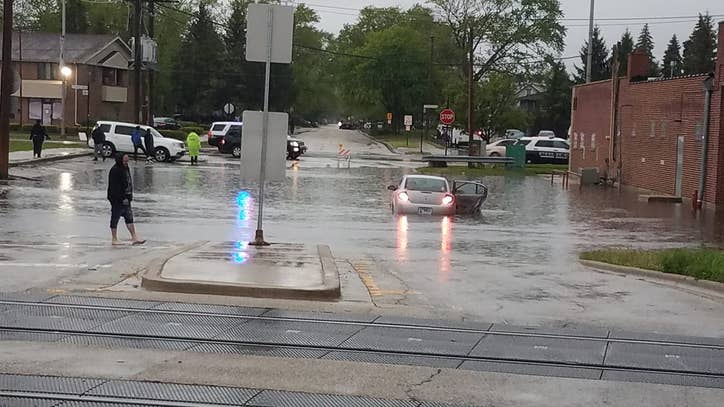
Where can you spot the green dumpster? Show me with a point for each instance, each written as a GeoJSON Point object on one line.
{"type": "Point", "coordinates": [518, 154]}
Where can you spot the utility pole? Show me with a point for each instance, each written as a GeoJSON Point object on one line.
{"type": "Point", "coordinates": [62, 71]}
{"type": "Point", "coordinates": [423, 127]}
{"type": "Point", "coordinates": [137, 94]}
{"type": "Point", "coordinates": [7, 83]}
{"type": "Point", "coordinates": [589, 57]}
{"type": "Point", "coordinates": [471, 55]}
{"type": "Point", "coordinates": [151, 73]}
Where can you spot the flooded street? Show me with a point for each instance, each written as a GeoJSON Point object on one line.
{"type": "Point", "coordinates": [516, 262]}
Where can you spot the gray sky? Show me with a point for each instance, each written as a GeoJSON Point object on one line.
{"type": "Point", "coordinates": [337, 13]}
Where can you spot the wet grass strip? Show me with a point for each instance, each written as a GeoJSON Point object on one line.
{"type": "Point", "coordinates": [495, 170]}
{"type": "Point", "coordinates": [703, 264]}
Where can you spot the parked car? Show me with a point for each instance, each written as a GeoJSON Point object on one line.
{"type": "Point", "coordinates": [428, 195]}
{"type": "Point", "coordinates": [166, 123]}
{"type": "Point", "coordinates": [295, 148]}
{"type": "Point", "coordinates": [219, 129]}
{"type": "Point", "coordinates": [347, 126]}
{"type": "Point", "coordinates": [545, 150]}
{"type": "Point", "coordinates": [231, 143]}
{"type": "Point", "coordinates": [514, 133]}
{"type": "Point", "coordinates": [497, 148]}
{"type": "Point", "coordinates": [118, 139]}
{"type": "Point", "coordinates": [546, 133]}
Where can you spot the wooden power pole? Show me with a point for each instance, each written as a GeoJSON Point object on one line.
{"type": "Point", "coordinates": [5, 89]}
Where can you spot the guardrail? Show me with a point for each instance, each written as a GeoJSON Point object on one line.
{"type": "Point", "coordinates": [442, 160]}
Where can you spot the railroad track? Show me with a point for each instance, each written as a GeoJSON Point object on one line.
{"type": "Point", "coordinates": [595, 354]}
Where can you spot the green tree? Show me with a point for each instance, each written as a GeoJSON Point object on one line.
{"type": "Point", "coordinates": [394, 74]}
{"type": "Point", "coordinates": [197, 78]}
{"type": "Point", "coordinates": [498, 35]}
{"type": "Point", "coordinates": [555, 107]}
{"type": "Point", "coordinates": [600, 62]}
{"type": "Point", "coordinates": [673, 64]}
{"type": "Point", "coordinates": [625, 48]}
{"type": "Point", "coordinates": [646, 42]}
{"type": "Point", "coordinates": [700, 48]}
{"type": "Point", "coordinates": [496, 106]}
{"type": "Point", "coordinates": [170, 29]}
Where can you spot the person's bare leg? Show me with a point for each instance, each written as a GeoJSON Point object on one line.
{"type": "Point", "coordinates": [132, 229]}
{"type": "Point", "coordinates": [114, 234]}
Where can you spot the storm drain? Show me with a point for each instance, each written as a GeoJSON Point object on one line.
{"type": "Point", "coordinates": [174, 392]}
{"type": "Point", "coordinates": [290, 399]}
{"type": "Point", "coordinates": [101, 302]}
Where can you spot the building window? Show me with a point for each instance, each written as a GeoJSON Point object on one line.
{"type": "Point", "coordinates": [47, 71]}
{"type": "Point", "coordinates": [110, 77]}
{"type": "Point", "coordinates": [593, 141]}
{"type": "Point", "coordinates": [653, 128]}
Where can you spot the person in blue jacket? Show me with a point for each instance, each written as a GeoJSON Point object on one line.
{"type": "Point", "coordinates": [137, 139]}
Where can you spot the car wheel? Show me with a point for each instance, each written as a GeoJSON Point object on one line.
{"type": "Point", "coordinates": [494, 154]}
{"type": "Point", "coordinates": [108, 149]}
{"type": "Point", "coordinates": [236, 152]}
{"type": "Point", "coordinates": [162, 154]}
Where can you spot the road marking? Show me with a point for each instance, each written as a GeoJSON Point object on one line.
{"type": "Point", "coordinates": [414, 340]}
{"type": "Point", "coordinates": [540, 347]}
{"type": "Point", "coordinates": [56, 265]}
{"type": "Point", "coordinates": [672, 356]}
{"type": "Point", "coordinates": [293, 331]}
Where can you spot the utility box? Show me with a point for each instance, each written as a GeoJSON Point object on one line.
{"type": "Point", "coordinates": [517, 153]}
{"type": "Point", "coordinates": [589, 176]}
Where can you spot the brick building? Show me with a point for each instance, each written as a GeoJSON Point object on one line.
{"type": "Point", "coordinates": [657, 145]}
{"type": "Point", "coordinates": [99, 86]}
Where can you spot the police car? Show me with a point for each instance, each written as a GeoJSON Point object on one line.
{"type": "Point", "coordinates": [545, 150]}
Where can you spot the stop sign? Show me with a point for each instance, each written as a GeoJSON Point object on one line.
{"type": "Point", "coordinates": [447, 117]}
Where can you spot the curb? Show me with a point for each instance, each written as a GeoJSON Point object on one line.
{"type": "Point", "coordinates": [331, 291]}
{"type": "Point", "coordinates": [712, 286]}
{"type": "Point", "coordinates": [50, 159]}
{"type": "Point", "coordinates": [384, 143]}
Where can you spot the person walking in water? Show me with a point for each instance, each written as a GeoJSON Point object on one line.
{"type": "Point", "coordinates": [99, 138]}
{"type": "Point", "coordinates": [137, 139]}
{"type": "Point", "coordinates": [148, 141]}
{"type": "Point", "coordinates": [38, 136]}
{"type": "Point", "coordinates": [120, 195]}
{"type": "Point", "coordinates": [193, 142]}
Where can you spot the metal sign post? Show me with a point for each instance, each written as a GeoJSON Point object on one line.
{"type": "Point", "coordinates": [270, 42]}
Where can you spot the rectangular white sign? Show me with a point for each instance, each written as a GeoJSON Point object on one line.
{"type": "Point", "coordinates": [257, 33]}
{"type": "Point", "coordinates": [276, 146]}
{"type": "Point", "coordinates": [408, 120]}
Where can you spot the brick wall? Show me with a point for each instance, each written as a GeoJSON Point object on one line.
{"type": "Point", "coordinates": [590, 126]}
{"type": "Point", "coordinates": [652, 117]}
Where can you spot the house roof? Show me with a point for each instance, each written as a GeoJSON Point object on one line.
{"type": "Point", "coordinates": [45, 47]}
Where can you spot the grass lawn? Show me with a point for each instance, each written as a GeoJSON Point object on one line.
{"type": "Point", "coordinates": [703, 264]}
{"type": "Point", "coordinates": [400, 140]}
{"type": "Point", "coordinates": [27, 145]}
{"type": "Point", "coordinates": [487, 171]}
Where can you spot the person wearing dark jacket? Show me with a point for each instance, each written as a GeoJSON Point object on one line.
{"type": "Point", "coordinates": [148, 141]}
{"type": "Point", "coordinates": [99, 138]}
{"type": "Point", "coordinates": [137, 139]}
{"type": "Point", "coordinates": [38, 135]}
{"type": "Point", "coordinates": [120, 195]}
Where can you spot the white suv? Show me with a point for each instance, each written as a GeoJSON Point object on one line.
{"type": "Point", "coordinates": [545, 150]}
{"type": "Point", "coordinates": [118, 139]}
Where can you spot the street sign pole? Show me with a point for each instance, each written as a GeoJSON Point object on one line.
{"type": "Point", "coordinates": [259, 237]}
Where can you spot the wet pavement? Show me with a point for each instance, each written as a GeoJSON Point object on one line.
{"type": "Point", "coordinates": [514, 263]}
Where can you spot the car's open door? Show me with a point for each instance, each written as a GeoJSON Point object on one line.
{"type": "Point", "coordinates": [469, 196]}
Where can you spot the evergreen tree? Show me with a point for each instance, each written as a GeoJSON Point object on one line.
{"type": "Point", "coordinates": [672, 59]}
{"type": "Point", "coordinates": [646, 42]}
{"type": "Point", "coordinates": [555, 111]}
{"type": "Point", "coordinates": [198, 79]}
{"type": "Point", "coordinates": [700, 48]}
{"type": "Point", "coordinates": [600, 65]}
{"type": "Point", "coordinates": [625, 48]}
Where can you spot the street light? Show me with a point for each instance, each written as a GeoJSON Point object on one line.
{"type": "Point", "coordinates": [65, 73]}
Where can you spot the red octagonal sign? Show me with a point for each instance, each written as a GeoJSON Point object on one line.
{"type": "Point", "coordinates": [447, 117]}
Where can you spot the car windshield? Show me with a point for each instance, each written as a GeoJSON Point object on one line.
{"type": "Point", "coordinates": [426, 184]}
{"type": "Point", "coordinates": [155, 133]}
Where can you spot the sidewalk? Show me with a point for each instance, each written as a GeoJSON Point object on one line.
{"type": "Point", "coordinates": [291, 271]}
{"type": "Point", "coordinates": [51, 154]}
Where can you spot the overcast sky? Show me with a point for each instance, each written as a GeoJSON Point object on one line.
{"type": "Point", "coordinates": [337, 13]}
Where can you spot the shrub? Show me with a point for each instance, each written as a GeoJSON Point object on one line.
{"type": "Point", "coordinates": [174, 134]}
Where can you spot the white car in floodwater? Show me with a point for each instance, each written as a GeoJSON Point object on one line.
{"type": "Point", "coordinates": [428, 195]}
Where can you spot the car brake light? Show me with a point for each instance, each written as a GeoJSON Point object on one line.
{"type": "Point", "coordinates": [447, 200]}
{"type": "Point", "coordinates": [223, 141]}
{"type": "Point", "coordinates": [403, 196]}
{"type": "Point", "coordinates": [209, 135]}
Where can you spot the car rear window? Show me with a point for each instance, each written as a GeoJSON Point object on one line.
{"type": "Point", "coordinates": [561, 144]}
{"type": "Point", "coordinates": [105, 128]}
{"type": "Point", "coordinates": [218, 127]}
{"type": "Point", "coordinates": [235, 129]}
{"type": "Point", "coordinates": [127, 130]}
{"type": "Point", "coordinates": [523, 142]}
{"type": "Point", "coordinates": [426, 185]}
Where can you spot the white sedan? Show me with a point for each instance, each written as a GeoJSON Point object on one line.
{"type": "Point", "coordinates": [497, 148]}
{"type": "Point", "coordinates": [428, 195]}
